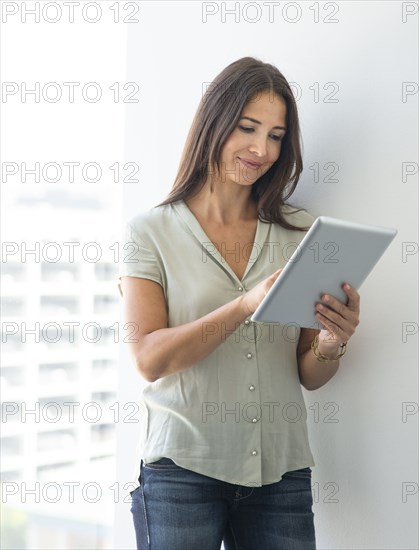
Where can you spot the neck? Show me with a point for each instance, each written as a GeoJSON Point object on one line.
{"type": "Point", "coordinates": [226, 205]}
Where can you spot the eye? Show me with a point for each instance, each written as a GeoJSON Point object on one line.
{"type": "Point", "coordinates": [248, 129]}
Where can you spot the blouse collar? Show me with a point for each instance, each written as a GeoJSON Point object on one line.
{"type": "Point", "coordinates": [208, 246]}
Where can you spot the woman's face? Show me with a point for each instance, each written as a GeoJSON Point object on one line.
{"type": "Point", "coordinates": [255, 144]}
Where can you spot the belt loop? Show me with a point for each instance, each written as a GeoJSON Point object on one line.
{"type": "Point", "coordinates": [141, 468]}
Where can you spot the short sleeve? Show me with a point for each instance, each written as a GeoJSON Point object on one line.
{"type": "Point", "coordinates": [138, 258]}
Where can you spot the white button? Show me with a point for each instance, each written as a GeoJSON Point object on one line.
{"type": "Point", "coordinates": [249, 355]}
{"type": "Point", "coordinates": [254, 452]}
{"type": "Point", "coordinates": [247, 322]}
{"type": "Point", "coordinates": [252, 387]}
{"type": "Point", "coordinates": [254, 420]}
{"type": "Point", "coordinates": [240, 288]}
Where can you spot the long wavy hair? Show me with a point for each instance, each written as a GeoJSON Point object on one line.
{"type": "Point", "coordinates": [217, 116]}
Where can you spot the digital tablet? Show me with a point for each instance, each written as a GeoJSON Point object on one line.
{"type": "Point", "coordinates": [332, 252]}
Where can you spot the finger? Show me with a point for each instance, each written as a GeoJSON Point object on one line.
{"type": "Point", "coordinates": [275, 274]}
{"type": "Point", "coordinates": [353, 297]}
{"type": "Point", "coordinates": [343, 309]}
{"type": "Point", "coordinates": [337, 333]}
{"type": "Point", "coordinates": [346, 324]}
{"type": "Point", "coordinates": [333, 303]}
{"type": "Point", "coordinates": [334, 333]}
{"type": "Point", "coordinates": [329, 318]}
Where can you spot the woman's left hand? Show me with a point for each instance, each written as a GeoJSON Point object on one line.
{"type": "Point", "coordinates": [339, 320]}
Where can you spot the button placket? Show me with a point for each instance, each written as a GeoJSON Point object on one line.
{"type": "Point", "coordinates": [251, 387]}
{"type": "Point", "coordinates": [252, 355]}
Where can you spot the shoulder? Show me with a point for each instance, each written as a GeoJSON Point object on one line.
{"type": "Point", "coordinates": [300, 217]}
{"type": "Point", "coordinates": [152, 222]}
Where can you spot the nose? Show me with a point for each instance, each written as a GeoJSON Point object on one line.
{"type": "Point", "coordinates": [258, 146]}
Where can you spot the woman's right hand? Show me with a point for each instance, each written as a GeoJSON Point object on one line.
{"type": "Point", "coordinates": [253, 297]}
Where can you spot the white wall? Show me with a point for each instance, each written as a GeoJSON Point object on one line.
{"type": "Point", "coordinates": [365, 482]}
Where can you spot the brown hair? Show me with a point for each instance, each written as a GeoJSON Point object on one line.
{"type": "Point", "coordinates": [217, 116]}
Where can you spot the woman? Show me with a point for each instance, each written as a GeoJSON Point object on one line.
{"type": "Point", "coordinates": [224, 454]}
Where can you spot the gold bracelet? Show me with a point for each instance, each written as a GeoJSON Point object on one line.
{"type": "Point", "coordinates": [323, 358]}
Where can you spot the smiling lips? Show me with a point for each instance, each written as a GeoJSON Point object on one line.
{"type": "Point", "coordinates": [250, 164]}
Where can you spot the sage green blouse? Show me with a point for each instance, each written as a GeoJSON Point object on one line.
{"type": "Point", "coordinates": [239, 414]}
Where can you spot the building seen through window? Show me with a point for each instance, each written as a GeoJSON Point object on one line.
{"type": "Point", "coordinates": [58, 373]}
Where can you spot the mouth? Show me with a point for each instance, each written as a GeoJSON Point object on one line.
{"type": "Point", "coordinates": [250, 164]}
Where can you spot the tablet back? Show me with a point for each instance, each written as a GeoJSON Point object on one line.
{"type": "Point", "coordinates": [332, 252]}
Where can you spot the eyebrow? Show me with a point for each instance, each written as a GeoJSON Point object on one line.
{"type": "Point", "coordinates": [258, 122]}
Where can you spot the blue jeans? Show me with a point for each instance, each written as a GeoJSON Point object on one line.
{"type": "Point", "coordinates": [177, 509]}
